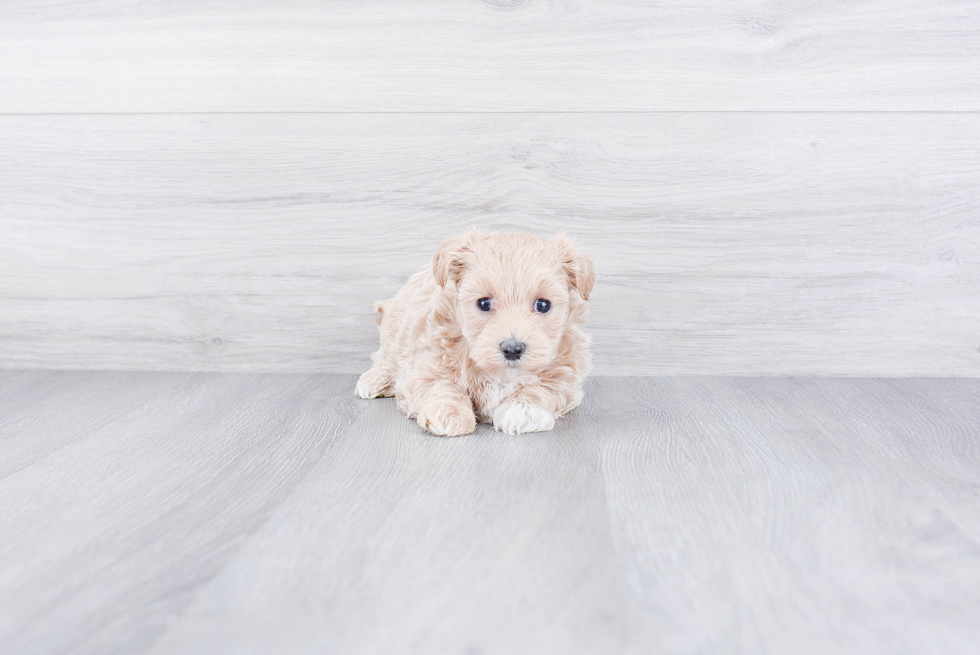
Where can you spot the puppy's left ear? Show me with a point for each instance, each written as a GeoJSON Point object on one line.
{"type": "Point", "coordinates": [450, 260]}
{"type": "Point", "coordinates": [576, 264]}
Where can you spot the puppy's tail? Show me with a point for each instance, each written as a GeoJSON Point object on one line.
{"type": "Point", "coordinates": [380, 308]}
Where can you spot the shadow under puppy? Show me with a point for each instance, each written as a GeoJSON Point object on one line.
{"type": "Point", "coordinates": [488, 333]}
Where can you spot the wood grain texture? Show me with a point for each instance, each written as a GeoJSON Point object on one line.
{"type": "Point", "coordinates": [107, 537]}
{"type": "Point", "coordinates": [830, 244]}
{"type": "Point", "coordinates": [768, 515]}
{"type": "Point", "coordinates": [43, 413]}
{"type": "Point", "coordinates": [491, 55]}
{"type": "Point", "coordinates": [257, 514]}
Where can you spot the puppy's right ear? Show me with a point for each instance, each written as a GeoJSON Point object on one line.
{"type": "Point", "coordinates": [577, 265]}
{"type": "Point", "coordinates": [450, 260]}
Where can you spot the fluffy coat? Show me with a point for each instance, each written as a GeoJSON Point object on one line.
{"type": "Point", "coordinates": [441, 355]}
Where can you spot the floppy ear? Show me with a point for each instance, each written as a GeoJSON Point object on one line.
{"type": "Point", "coordinates": [450, 260]}
{"type": "Point", "coordinates": [577, 265]}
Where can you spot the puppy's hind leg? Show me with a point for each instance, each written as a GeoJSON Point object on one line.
{"type": "Point", "coordinates": [379, 381]}
{"type": "Point", "coordinates": [376, 382]}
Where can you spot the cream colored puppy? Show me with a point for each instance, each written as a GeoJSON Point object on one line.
{"type": "Point", "coordinates": [488, 333]}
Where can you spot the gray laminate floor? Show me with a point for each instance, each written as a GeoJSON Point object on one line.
{"type": "Point", "coordinates": [210, 513]}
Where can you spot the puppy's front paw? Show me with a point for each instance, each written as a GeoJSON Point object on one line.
{"type": "Point", "coordinates": [518, 418]}
{"type": "Point", "coordinates": [448, 420]}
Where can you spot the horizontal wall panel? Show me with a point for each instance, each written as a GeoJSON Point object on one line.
{"type": "Point", "coordinates": [831, 244]}
{"type": "Point", "coordinates": [490, 55]}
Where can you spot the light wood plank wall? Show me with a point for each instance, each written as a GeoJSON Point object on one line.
{"type": "Point", "coordinates": [767, 188]}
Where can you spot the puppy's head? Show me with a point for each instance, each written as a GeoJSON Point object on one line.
{"type": "Point", "coordinates": [514, 296]}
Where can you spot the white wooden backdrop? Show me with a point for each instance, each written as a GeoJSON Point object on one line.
{"type": "Point", "coordinates": [779, 187]}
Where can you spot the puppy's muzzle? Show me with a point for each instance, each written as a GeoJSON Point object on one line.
{"type": "Point", "coordinates": [513, 349]}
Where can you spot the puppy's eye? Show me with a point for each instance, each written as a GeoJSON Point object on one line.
{"type": "Point", "coordinates": [485, 304]}
{"type": "Point", "coordinates": [542, 305]}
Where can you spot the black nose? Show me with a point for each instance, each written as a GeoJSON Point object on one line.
{"type": "Point", "coordinates": [512, 349]}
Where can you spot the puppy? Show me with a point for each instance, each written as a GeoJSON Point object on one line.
{"type": "Point", "coordinates": [488, 334]}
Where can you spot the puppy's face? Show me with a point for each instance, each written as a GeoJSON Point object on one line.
{"type": "Point", "coordinates": [514, 298]}
{"type": "Point", "coordinates": [512, 312]}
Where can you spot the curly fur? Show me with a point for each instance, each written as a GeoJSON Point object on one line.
{"type": "Point", "coordinates": [440, 355]}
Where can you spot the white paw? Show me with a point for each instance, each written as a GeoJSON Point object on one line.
{"type": "Point", "coordinates": [518, 418]}
{"type": "Point", "coordinates": [372, 385]}
{"type": "Point", "coordinates": [362, 389]}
